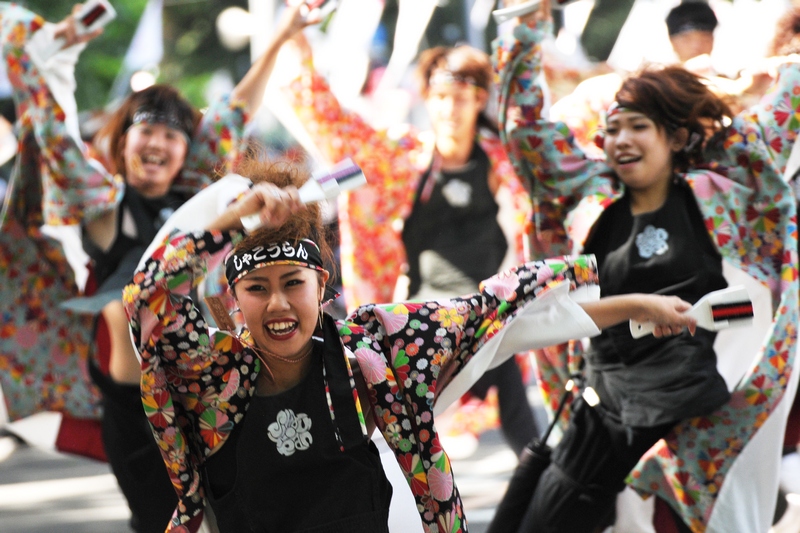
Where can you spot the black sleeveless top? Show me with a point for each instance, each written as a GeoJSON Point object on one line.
{"type": "Point", "coordinates": [651, 381]}
{"type": "Point", "coordinates": [452, 238]}
{"type": "Point", "coordinates": [113, 268]}
{"type": "Point", "coordinates": [283, 469]}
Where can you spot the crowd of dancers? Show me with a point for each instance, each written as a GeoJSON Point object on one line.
{"type": "Point", "coordinates": [190, 340]}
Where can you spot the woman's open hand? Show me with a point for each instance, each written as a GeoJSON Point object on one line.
{"type": "Point", "coordinates": [297, 15]}
{"type": "Point", "coordinates": [542, 13]}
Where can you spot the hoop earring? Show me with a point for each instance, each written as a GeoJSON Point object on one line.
{"type": "Point", "coordinates": [320, 314]}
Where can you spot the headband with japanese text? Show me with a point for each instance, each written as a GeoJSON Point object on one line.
{"type": "Point", "coordinates": [303, 253]}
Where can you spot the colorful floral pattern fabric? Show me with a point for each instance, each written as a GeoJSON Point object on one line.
{"type": "Point", "coordinates": [584, 108]}
{"type": "Point", "coordinates": [407, 353]}
{"type": "Point", "coordinates": [43, 348]}
{"type": "Point", "coordinates": [750, 215]}
{"type": "Point", "coordinates": [393, 161]}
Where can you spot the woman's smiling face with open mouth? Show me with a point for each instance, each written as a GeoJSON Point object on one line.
{"type": "Point", "coordinates": [154, 156]}
{"type": "Point", "coordinates": [280, 304]}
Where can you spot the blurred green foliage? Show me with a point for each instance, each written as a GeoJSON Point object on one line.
{"type": "Point", "coordinates": [192, 52]}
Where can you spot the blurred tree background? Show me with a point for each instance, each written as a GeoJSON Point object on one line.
{"type": "Point", "coordinates": [193, 54]}
{"type": "Point", "coordinates": [192, 51]}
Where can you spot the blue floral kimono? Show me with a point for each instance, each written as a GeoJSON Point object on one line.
{"type": "Point", "coordinates": [719, 471]}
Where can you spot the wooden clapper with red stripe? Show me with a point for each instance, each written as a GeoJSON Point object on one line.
{"type": "Point", "coordinates": [716, 310]}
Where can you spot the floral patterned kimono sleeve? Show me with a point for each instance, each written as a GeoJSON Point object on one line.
{"type": "Point", "coordinates": [519, 200]}
{"type": "Point", "coordinates": [746, 193]}
{"type": "Point", "coordinates": [75, 188]}
{"type": "Point", "coordinates": [195, 383]}
{"type": "Point", "coordinates": [568, 189]}
{"type": "Point", "coordinates": [387, 160]}
{"type": "Point", "coordinates": [367, 216]}
{"type": "Point", "coordinates": [777, 114]}
{"type": "Point", "coordinates": [753, 151]}
{"type": "Point", "coordinates": [218, 142]}
{"type": "Point", "coordinates": [408, 352]}
{"type": "Point", "coordinates": [544, 153]}
{"type": "Point", "coordinates": [583, 109]}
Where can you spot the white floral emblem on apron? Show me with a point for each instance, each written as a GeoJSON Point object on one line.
{"type": "Point", "coordinates": [457, 193]}
{"type": "Point", "coordinates": [290, 432]}
{"type": "Point", "coordinates": [652, 241]}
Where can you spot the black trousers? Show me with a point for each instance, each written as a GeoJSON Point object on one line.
{"type": "Point", "coordinates": [133, 455]}
{"type": "Point", "coordinates": [577, 492]}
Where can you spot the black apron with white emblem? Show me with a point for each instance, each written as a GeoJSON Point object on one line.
{"type": "Point", "coordinates": [283, 469]}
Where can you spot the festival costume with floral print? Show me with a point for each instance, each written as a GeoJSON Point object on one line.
{"type": "Point", "coordinates": [197, 382]}
{"type": "Point", "coordinates": [750, 215]}
{"type": "Point", "coordinates": [44, 348]}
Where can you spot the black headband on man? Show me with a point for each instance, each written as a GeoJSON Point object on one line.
{"type": "Point", "coordinates": [445, 77]}
{"type": "Point", "coordinates": [145, 115]}
{"type": "Point", "coordinates": [303, 253]}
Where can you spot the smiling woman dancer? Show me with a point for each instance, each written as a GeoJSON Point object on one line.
{"type": "Point", "coordinates": [683, 185]}
{"type": "Point", "coordinates": [280, 413]}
